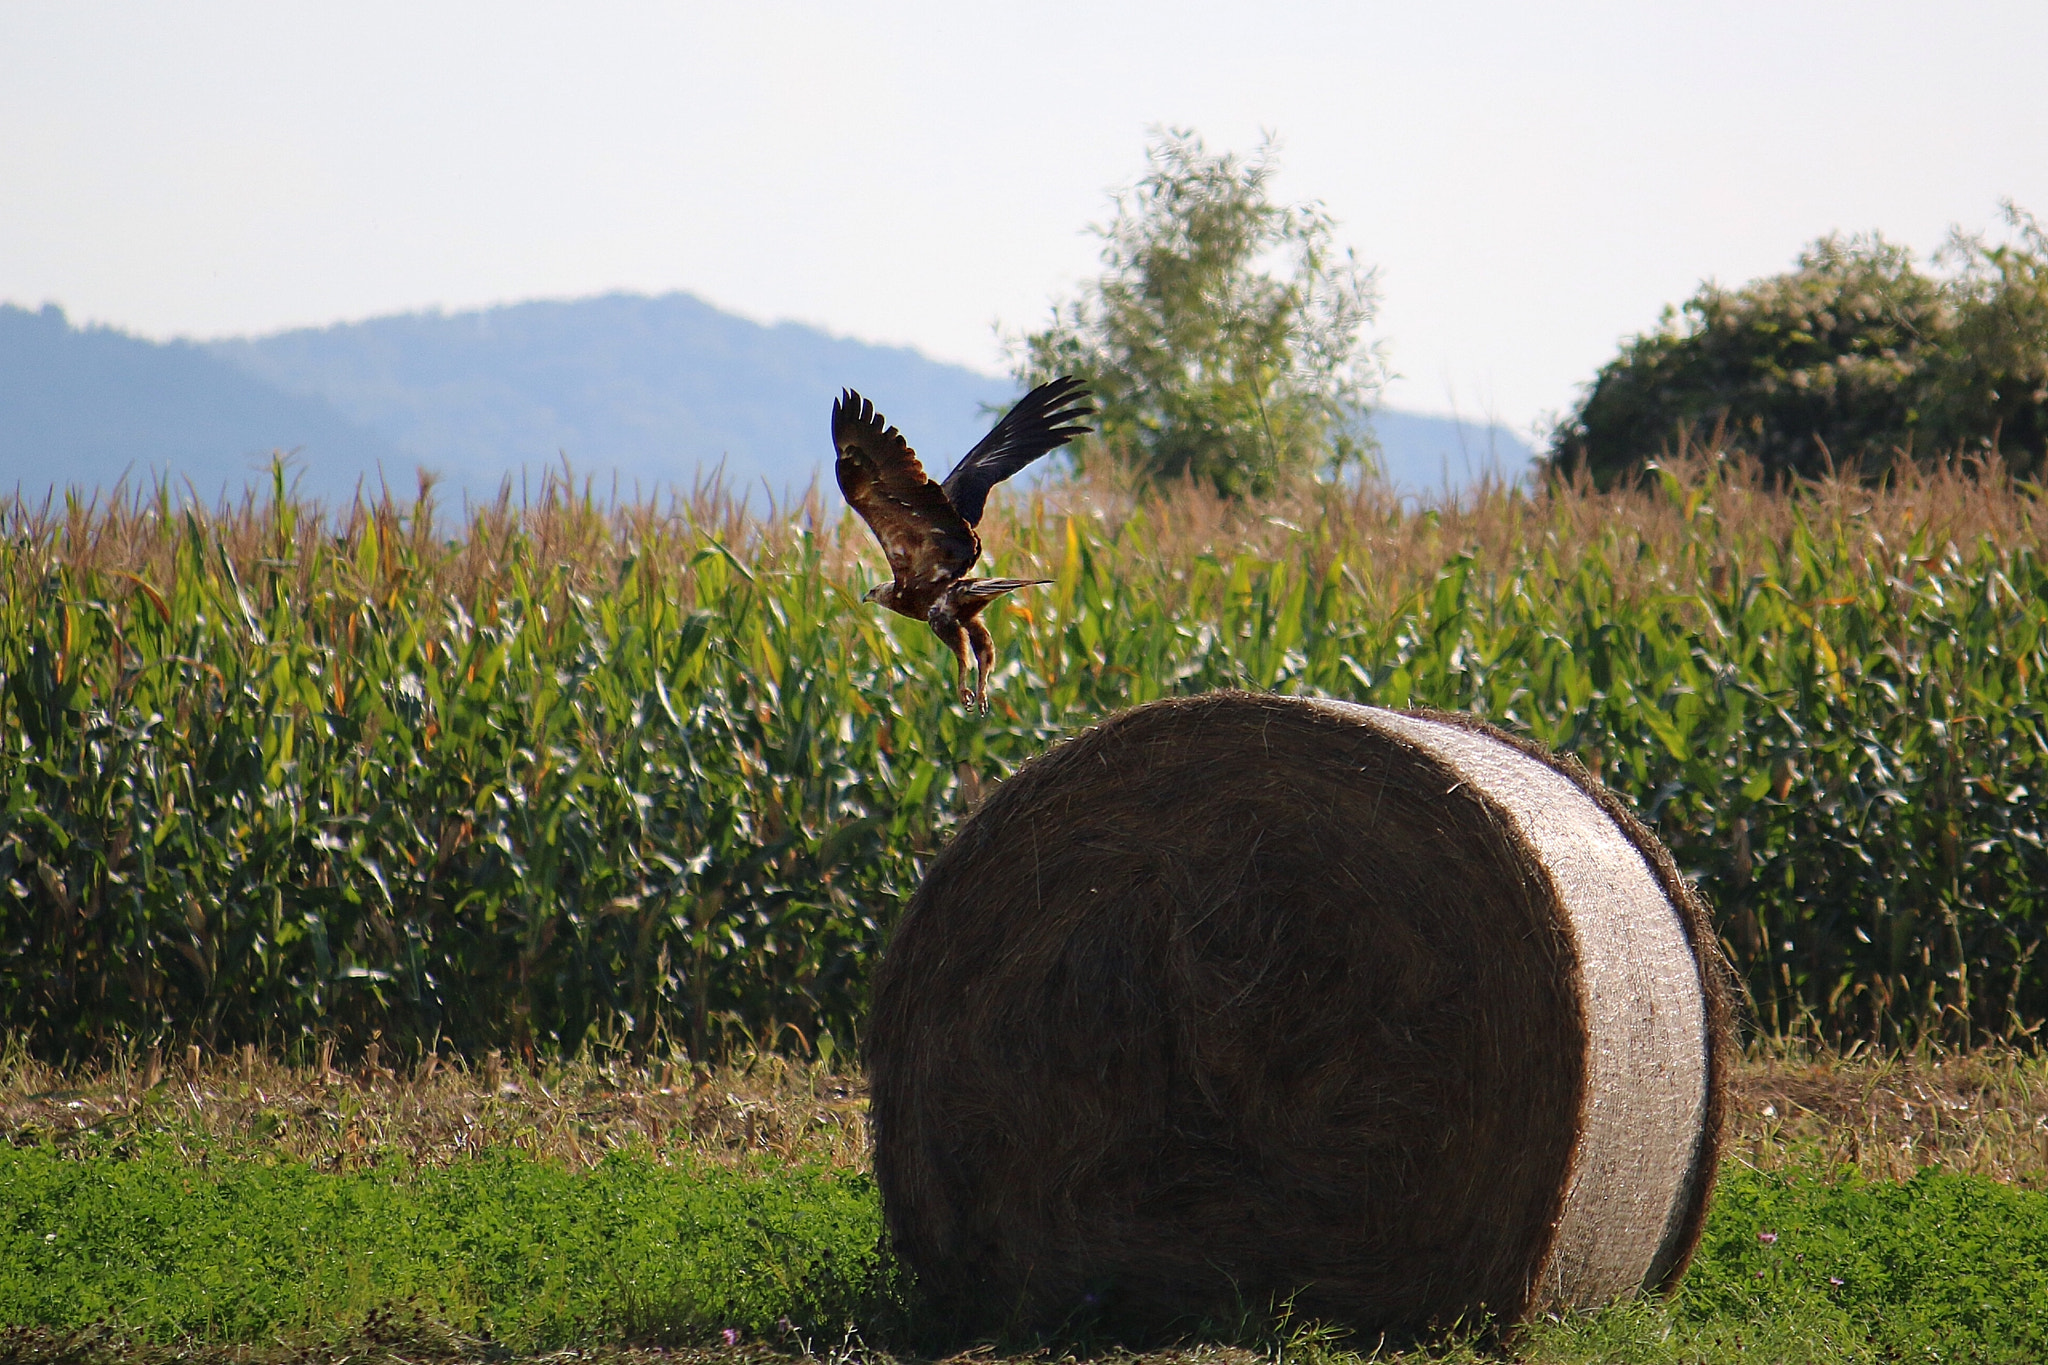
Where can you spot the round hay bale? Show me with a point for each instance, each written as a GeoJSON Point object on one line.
{"type": "Point", "coordinates": [1239, 1000]}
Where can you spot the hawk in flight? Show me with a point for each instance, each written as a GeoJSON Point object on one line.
{"type": "Point", "coordinates": [927, 528]}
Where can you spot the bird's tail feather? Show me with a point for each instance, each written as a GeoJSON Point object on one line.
{"type": "Point", "coordinates": [985, 590]}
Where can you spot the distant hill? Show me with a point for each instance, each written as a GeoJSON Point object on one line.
{"type": "Point", "coordinates": [656, 389]}
{"type": "Point", "coordinates": [654, 392]}
{"type": "Point", "coordinates": [81, 408]}
{"type": "Point", "coordinates": [1422, 454]}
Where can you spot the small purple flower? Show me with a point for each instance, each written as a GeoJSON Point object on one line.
{"type": "Point", "coordinates": [1767, 1238]}
{"type": "Point", "coordinates": [731, 1335]}
{"type": "Point", "coordinates": [1835, 1282]}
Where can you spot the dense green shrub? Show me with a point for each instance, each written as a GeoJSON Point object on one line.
{"type": "Point", "coordinates": [1856, 359]}
{"type": "Point", "coordinates": [1992, 390]}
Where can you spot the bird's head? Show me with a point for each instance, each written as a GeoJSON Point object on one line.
{"type": "Point", "coordinates": [874, 594]}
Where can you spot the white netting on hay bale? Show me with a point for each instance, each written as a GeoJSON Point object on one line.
{"type": "Point", "coordinates": [1239, 999]}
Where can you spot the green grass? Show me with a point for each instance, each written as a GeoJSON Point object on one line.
{"type": "Point", "coordinates": [1800, 1123]}
{"type": "Point", "coordinates": [285, 1214]}
{"type": "Point", "coordinates": [523, 1251]}
{"type": "Point", "coordinates": [1942, 1266]}
{"type": "Point", "coordinates": [1797, 1264]}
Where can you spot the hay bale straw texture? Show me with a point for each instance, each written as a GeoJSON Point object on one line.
{"type": "Point", "coordinates": [1239, 999]}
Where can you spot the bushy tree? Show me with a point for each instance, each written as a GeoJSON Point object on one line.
{"type": "Point", "coordinates": [1853, 360]}
{"type": "Point", "coordinates": [1224, 339]}
{"type": "Point", "coordinates": [1804, 369]}
{"type": "Point", "coordinates": [1992, 389]}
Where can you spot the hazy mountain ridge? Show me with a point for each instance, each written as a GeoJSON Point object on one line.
{"type": "Point", "coordinates": [656, 392]}
{"type": "Point", "coordinates": [82, 408]}
{"type": "Point", "coordinates": [657, 389]}
{"type": "Point", "coordinates": [1423, 453]}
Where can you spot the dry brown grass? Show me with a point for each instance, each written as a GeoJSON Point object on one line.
{"type": "Point", "coordinates": [1889, 1114]}
{"type": "Point", "coordinates": [575, 1112]}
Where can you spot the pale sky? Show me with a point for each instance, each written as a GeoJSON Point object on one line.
{"type": "Point", "coordinates": [1534, 182]}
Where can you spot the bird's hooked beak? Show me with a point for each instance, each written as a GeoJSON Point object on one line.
{"type": "Point", "coordinates": [872, 593]}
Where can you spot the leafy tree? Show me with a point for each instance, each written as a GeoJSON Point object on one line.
{"type": "Point", "coordinates": [1804, 370]}
{"type": "Point", "coordinates": [1992, 389]}
{"type": "Point", "coordinates": [1856, 359]}
{"type": "Point", "coordinates": [1223, 339]}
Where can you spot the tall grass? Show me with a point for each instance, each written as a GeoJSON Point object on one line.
{"type": "Point", "coordinates": [569, 770]}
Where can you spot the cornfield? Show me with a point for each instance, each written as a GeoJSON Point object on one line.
{"type": "Point", "coordinates": [573, 772]}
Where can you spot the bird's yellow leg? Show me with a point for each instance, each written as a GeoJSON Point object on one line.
{"type": "Point", "coordinates": [947, 628]}
{"type": "Point", "coordinates": [984, 659]}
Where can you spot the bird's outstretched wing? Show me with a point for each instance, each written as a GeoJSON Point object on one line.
{"type": "Point", "coordinates": [879, 473]}
{"type": "Point", "coordinates": [1044, 419]}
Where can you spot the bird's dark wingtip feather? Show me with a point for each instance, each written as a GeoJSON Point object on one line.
{"type": "Point", "coordinates": [1041, 421]}
{"type": "Point", "coordinates": [850, 411]}
{"type": "Point", "coordinates": [1064, 402]}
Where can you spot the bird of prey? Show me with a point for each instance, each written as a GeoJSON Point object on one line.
{"type": "Point", "coordinates": [927, 528]}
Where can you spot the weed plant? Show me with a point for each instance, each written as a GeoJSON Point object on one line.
{"type": "Point", "coordinates": [565, 772]}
